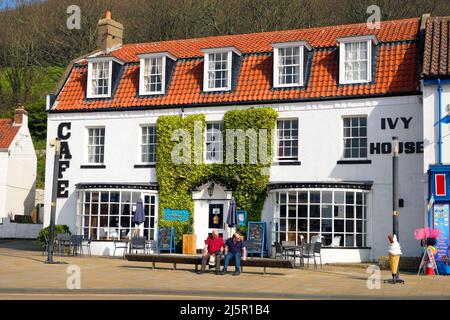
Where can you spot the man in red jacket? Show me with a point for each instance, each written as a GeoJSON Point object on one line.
{"type": "Point", "coordinates": [213, 247]}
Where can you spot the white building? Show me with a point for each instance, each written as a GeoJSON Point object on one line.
{"type": "Point", "coordinates": [17, 166]}
{"type": "Point", "coordinates": [436, 123]}
{"type": "Point", "coordinates": [341, 94]}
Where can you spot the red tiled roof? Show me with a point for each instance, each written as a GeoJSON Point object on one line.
{"type": "Point", "coordinates": [396, 68]}
{"type": "Point", "coordinates": [7, 132]}
{"type": "Point", "coordinates": [436, 56]}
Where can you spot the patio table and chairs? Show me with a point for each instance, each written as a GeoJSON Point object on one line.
{"type": "Point", "coordinates": [291, 250]}
{"type": "Point", "coordinates": [76, 244]}
{"type": "Point", "coordinates": [63, 241]}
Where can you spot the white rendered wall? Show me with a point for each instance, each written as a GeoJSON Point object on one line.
{"type": "Point", "coordinates": [320, 125]}
{"type": "Point", "coordinates": [3, 178]}
{"type": "Point", "coordinates": [21, 174]}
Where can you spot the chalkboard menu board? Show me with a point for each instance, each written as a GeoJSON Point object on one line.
{"type": "Point", "coordinates": [256, 233]}
{"type": "Point", "coordinates": [166, 239]}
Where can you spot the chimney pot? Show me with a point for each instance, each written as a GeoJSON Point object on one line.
{"type": "Point", "coordinates": [108, 15]}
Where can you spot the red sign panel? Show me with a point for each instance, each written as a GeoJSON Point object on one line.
{"type": "Point", "coordinates": [440, 185]}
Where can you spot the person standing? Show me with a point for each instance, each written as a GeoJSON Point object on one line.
{"type": "Point", "coordinates": [213, 250]}
{"type": "Point", "coordinates": [235, 249]}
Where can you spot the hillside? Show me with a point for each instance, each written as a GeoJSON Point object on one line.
{"type": "Point", "coordinates": [36, 44]}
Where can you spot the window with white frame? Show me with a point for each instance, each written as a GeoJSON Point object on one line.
{"type": "Point", "coordinates": [214, 142]}
{"type": "Point", "coordinates": [108, 215]}
{"type": "Point", "coordinates": [355, 61]}
{"type": "Point", "coordinates": [288, 68]}
{"type": "Point", "coordinates": [148, 144]}
{"type": "Point", "coordinates": [99, 79]}
{"type": "Point", "coordinates": [96, 145]}
{"type": "Point", "coordinates": [153, 75]}
{"type": "Point", "coordinates": [218, 71]}
{"type": "Point", "coordinates": [338, 216]}
{"type": "Point", "coordinates": [287, 140]}
{"type": "Point", "coordinates": [355, 137]}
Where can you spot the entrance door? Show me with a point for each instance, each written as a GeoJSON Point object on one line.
{"type": "Point", "coordinates": [215, 217]}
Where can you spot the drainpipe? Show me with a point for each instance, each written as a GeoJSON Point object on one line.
{"type": "Point", "coordinates": [440, 119]}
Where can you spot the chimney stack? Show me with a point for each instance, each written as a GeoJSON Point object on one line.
{"type": "Point", "coordinates": [20, 116]}
{"type": "Point", "coordinates": [110, 33]}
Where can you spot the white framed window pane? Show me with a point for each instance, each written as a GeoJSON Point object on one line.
{"type": "Point", "coordinates": [356, 61]}
{"type": "Point", "coordinates": [214, 142]}
{"type": "Point", "coordinates": [100, 78]}
{"type": "Point", "coordinates": [96, 145]}
{"type": "Point", "coordinates": [327, 213]}
{"type": "Point", "coordinates": [153, 75]}
{"type": "Point", "coordinates": [217, 70]}
{"type": "Point", "coordinates": [148, 144]}
{"type": "Point", "coordinates": [355, 137]}
{"type": "Point", "coordinates": [287, 139]}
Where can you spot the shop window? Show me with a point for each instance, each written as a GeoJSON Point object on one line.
{"type": "Point", "coordinates": [328, 213]}
{"type": "Point", "coordinates": [108, 215]}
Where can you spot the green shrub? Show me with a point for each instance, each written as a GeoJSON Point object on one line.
{"type": "Point", "coordinates": [59, 228]}
{"type": "Point", "coordinates": [23, 219]}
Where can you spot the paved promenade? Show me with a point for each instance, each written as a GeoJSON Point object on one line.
{"type": "Point", "coordinates": [23, 275]}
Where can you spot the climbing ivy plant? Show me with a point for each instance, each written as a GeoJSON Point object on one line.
{"type": "Point", "coordinates": [248, 180]}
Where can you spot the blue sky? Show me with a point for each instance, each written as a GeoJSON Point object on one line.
{"type": "Point", "coordinates": [6, 3]}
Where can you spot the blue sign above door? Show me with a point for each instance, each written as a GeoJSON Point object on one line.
{"type": "Point", "coordinates": [176, 215]}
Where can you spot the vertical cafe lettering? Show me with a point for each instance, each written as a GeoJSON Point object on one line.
{"type": "Point", "coordinates": [64, 159]}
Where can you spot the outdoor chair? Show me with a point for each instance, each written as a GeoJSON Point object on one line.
{"type": "Point", "coordinates": [317, 252]}
{"type": "Point", "coordinates": [45, 245]}
{"type": "Point", "coordinates": [63, 240]}
{"type": "Point", "coordinates": [138, 243]}
{"type": "Point", "coordinates": [118, 244]}
{"type": "Point", "coordinates": [87, 244]}
{"type": "Point", "coordinates": [76, 244]}
{"type": "Point", "coordinates": [308, 252]}
{"type": "Point", "coordinates": [278, 250]}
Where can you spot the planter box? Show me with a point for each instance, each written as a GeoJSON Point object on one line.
{"type": "Point", "coordinates": [189, 244]}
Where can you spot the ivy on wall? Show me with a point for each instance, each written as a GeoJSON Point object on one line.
{"type": "Point", "coordinates": [248, 180]}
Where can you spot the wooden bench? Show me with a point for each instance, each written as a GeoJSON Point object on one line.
{"type": "Point", "coordinates": [197, 260]}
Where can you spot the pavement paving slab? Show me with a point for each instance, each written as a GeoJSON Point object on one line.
{"type": "Point", "coordinates": [24, 275]}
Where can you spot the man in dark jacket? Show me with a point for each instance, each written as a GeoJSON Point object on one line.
{"type": "Point", "coordinates": [235, 249]}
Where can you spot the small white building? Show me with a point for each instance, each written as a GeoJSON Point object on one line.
{"type": "Point", "coordinates": [17, 166]}
{"type": "Point", "coordinates": [341, 94]}
{"type": "Point", "coordinates": [436, 124]}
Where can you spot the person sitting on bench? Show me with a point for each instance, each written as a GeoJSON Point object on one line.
{"type": "Point", "coordinates": [213, 250]}
{"type": "Point", "coordinates": [234, 248]}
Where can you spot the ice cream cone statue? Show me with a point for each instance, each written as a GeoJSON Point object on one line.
{"type": "Point", "coordinates": [395, 252]}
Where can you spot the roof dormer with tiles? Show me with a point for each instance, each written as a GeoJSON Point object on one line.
{"type": "Point", "coordinates": [316, 64]}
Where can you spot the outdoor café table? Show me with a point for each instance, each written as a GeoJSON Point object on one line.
{"type": "Point", "coordinates": [295, 249]}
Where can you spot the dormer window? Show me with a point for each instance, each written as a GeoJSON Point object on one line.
{"type": "Point", "coordinates": [217, 74]}
{"type": "Point", "coordinates": [100, 76]}
{"type": "Point", "coordinates": [154, 72]}
{"type": "Point", "coordinates": [289, 62]}
{"type": "Point", "coordinates": [355, 59]}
